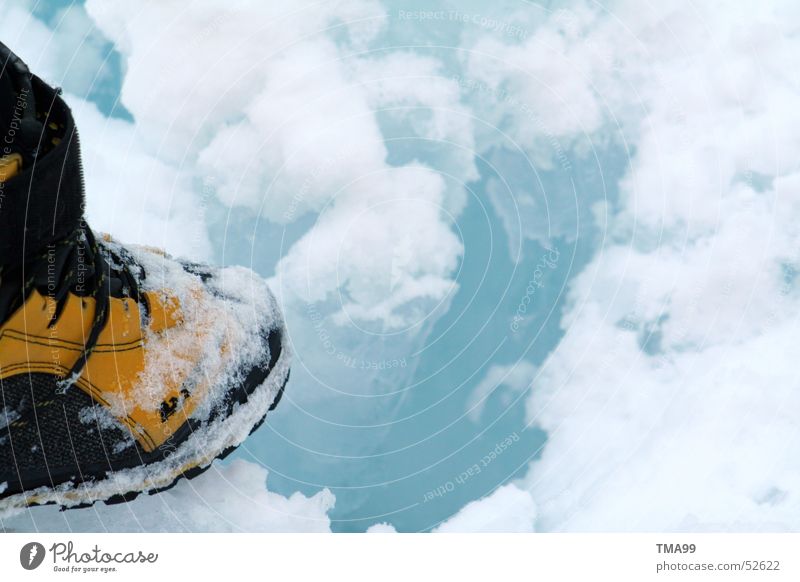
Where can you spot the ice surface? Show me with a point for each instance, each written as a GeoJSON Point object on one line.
{"type": "Point", "coordinates": [404, 182]}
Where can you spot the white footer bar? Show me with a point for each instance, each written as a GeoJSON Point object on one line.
{"type": "Point", "coordinates": [417, 557]}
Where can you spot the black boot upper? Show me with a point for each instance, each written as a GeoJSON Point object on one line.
{"type": "Point", "coordinates": [43, 203]}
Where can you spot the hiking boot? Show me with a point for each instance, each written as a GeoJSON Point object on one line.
{"type": "Point", "coordinates": [122, 369]}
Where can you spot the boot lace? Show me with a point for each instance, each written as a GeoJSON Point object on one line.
{"type": "Point", "coordinates": [83, 266]}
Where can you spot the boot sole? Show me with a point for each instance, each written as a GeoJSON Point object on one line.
{"type": "Point", "coordinates": [188, 461]}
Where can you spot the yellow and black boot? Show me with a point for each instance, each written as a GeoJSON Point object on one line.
{"type": "Point", "coordinates": [122, 369]}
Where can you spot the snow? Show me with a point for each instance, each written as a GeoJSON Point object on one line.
{"type": "Point", "coordinates": [506, 381]}
{"type": "Point", "coordinates": [508, 510]}
{"type": "Point", "coordinates": [137, 196]}
{"type": "Point", "coordinates": [381, 528]}
{"type": "Point", "coordinates": [666, 403]}
{"type": "Point", "coordinates": [7, 416]}
{"type": "Point", "coordinates": [289, 128]}
{"type": "Point", "coordinates": [654, 146]}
